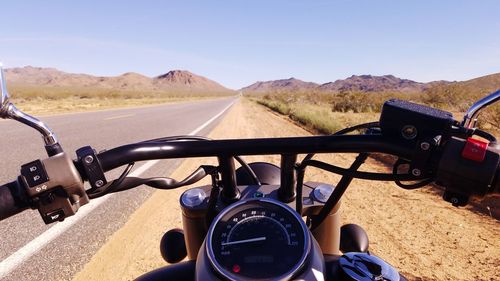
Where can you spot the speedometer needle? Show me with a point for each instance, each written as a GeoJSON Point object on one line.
{"type": "Point", "coordinates": [244, 241]}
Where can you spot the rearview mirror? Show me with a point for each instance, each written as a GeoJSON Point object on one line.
{"type": "Point", "coordinates": [9, 111]}
{"type": "Point", "coordinates": [5, 94]}
{"type": "Point", "coordinates": [470, 118]}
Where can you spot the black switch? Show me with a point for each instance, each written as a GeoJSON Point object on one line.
{"type": "Point", "coordinates": [51, 217]}
{"type": "Point", "coordinates": [34, 173]}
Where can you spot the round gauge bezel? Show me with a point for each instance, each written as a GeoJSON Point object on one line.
{"type": "Point", "coordinates": [231, 276]}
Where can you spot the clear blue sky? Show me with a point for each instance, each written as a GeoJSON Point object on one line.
{"type": "Point", "coordinates": [239, 42]}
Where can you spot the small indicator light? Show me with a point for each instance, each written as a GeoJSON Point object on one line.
{"type": "Point", "coordinates": [236, 268]}
{"type": "Point", "coordinates": [258, 194]}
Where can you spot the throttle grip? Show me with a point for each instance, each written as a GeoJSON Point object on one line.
{"type": "Point", "coordinates": [466, 171]}
{"type": "Point", "coordinates": [496, 182]}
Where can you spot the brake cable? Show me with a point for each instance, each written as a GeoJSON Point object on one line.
{"type": "Point", "coordinates": [300, 168]}
{"type": "Point", "coordinates": [348, 175]}
{"type": "Point", "coordinates": [110, 187]}
{"type": "Point", "coordinates": [491, 138]}
{"type": "Point", "coordinates": [361, 175]}
{"type": "Point", "coordinates": [212, 200]}
{"type": "Point", "coordinates": [240, 160]}
{"type": "Point", "coordinates": [165, 182]}
{"type": "Point", "coordinates": [416, 185]}
{"type": "Point", "coordinates": [338, 191]}
{"type": "Point", "coordinates": [344, 131]}
{"type": "Point", "coordinates": [124, 182]}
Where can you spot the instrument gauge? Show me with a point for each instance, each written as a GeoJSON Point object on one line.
{"type": "Point", "coordinates": [258, 239]}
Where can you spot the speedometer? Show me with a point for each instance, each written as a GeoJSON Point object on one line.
{"type": "Point", "coordinates": [258, 239]}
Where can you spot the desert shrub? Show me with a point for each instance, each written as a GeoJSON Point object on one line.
{"type": "Point", "coordinates": [448, 97]}
{"type": "Point", "coordinates": [316, 118]}
{"type": "Point", "coordinates": [490, 118]}
{"type": "Point", "coordinates": [454, 97]}
{"type": "Point", "coordinates": [357, 102]}
{"type": "Point", "coordinates": [277, 106]}
{"type": "Point", "coordinates": [28, 93]}
{"type": "Point", "coordinates": [346, 102]}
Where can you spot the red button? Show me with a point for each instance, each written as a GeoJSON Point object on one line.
{"type": "Point", "coordinates": [236, 268]}
{"type": "Point", "coordinates": [475, 150]}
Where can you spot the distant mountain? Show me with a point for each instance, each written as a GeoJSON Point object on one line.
{"type": "Point", "coordinates": [29, 75]}
{"type": "Point", "coordinates": [369, 83]}
{"type": "Point", "coordinates": [183, 79]}
{"type": "Point", "coordinates": [483, 84]}
{"type": "Point", "coordinates": [173, 80]}
{"type": "Point", "coordinates": [290, 84]}
{"type": "Point", "coordinates": [465, 91]}
{"type": "Point", "coordinates": [357, 83]}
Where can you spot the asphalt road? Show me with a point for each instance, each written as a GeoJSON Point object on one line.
{"type": "Point", "coordinates": [64, 256]}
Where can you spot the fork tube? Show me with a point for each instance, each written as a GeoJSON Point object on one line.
{"type": "Point", "coordinates": [328, 233]}
{"type": "Point", "coordinates": [228, 178]}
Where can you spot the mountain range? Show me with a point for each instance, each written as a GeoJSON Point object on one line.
{"type": "Point", "coordinates": [180, 80]}
{"type": "Point", "coordinates": [185, 81]}
{"type": "Point", "coordinates": [358, 83]}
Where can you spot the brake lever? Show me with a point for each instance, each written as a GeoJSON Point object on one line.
{"type": "Point", "coordinates": [157, 182]}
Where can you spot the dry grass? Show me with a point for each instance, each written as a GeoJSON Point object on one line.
{"type": "Point", "coordinates": [312, 117]}
{"type": "Point", "coordinates": [52, 100]}
{"type": "Point", "coordinates": [75, 104]}
{"type": "Point", "coordinates": [55, 93]}
{"type": "Point", "coordinates": [324, 111]}
{"type": "Point", "coordinates": [316, 117]}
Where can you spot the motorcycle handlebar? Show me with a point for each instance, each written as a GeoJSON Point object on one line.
{"type": "Point", "coordinates": [13, 197]}
{"type": "Point", "coordinates": [316, 144]}
{"type": "Point", "coordinates": [12, 200]}
{"type": "Point", "coordinates": [123, 155]}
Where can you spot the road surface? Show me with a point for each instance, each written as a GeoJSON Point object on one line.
{"type": "Point", "coordinates": [29, 249]}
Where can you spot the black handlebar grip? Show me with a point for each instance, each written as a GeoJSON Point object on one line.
{"type": "Point", "coordinates": [495, 184]}
{"type": "Point", "coordinates": [12, 199]}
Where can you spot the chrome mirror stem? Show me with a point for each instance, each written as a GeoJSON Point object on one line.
{"type": "Point", "coordinates": [470, 117]}
{"type": "Point", "coordinates": [48, 136]}
{"type": "Point", "coordinates": [9, 111]}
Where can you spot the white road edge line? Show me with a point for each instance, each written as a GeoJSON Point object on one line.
{"type": "Point", "coordinates": [28, 250]}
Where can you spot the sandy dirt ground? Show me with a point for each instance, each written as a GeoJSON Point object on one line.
{"type": "Point", "coordinates": [417, 232]}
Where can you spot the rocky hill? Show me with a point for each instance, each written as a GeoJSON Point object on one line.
{"type": "Point", "coordinates": [355, 83]}
{"type": "Point", "coordinates": [480, 85]}
{"type": "Point", "coordinates": [179, 80]}
{"type": "Point", "coordinates": [369, 83]}
{"type": "Point", "coordinates": [186, 79]}
{"type": "Point", "coordinates": [461, 94]}
{"type": "Point", "coordinates": [290, 84]}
